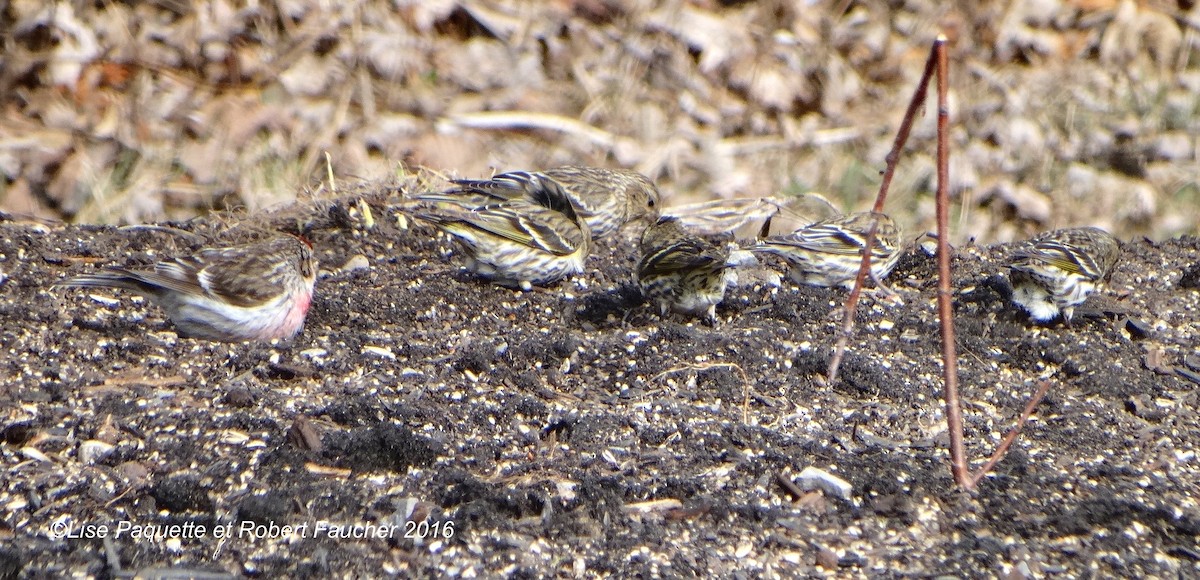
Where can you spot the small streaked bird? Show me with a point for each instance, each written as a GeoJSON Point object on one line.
{"type": "Point", "coordinates": [605, 199]}
{"type": "Point", "coordinates": [721, 216]}
{"type": "Point", "coordinates": [680, 271]}
{"type": "Point", "coordinates": [258, 291]}
{"type": "Point", "coordinates": [828, 253]}
{"type": "Point", "coordinates": [532, 238]}
{"type": "Point", "coordinates": [1056, 271]}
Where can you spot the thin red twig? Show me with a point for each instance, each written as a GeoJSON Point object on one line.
{"type": "Point", "coordinates": [893, 157]}
{"type": "Point", "coordinates": [1011, 436]}
{"type": "Point", "coordinates": [839, 351]}
{"type": "Point", "coordinates": [958, 458]}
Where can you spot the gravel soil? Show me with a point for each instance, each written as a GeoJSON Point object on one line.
{"type": "Point", "coordinates": [571, 432]}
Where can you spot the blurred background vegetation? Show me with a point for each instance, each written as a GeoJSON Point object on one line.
{"type": "Point", "coordinates": [1064, 112]}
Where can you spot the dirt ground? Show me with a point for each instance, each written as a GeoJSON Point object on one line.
{"type": "Point", "coordinates": [571, 432]}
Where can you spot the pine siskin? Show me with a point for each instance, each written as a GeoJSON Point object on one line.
{"type": "Point", "coordinates": [604, 198]}
{"type": "Point", "coordinates": [680, 271]}
{"type": "Point", "coordinates": [1056, 271]}
{"type": "Point", "coordinates": [829, 252]}
{"type": "Point", "coordinates": [536, 238]}
{"type": "Point", "coordinates": [710, 218]}
{"type": "Point", "coordinates": [257, 291]}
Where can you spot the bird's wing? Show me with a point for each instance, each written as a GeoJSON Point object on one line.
{"type": "Point", "coordinates": [524, 223]}
{"type": "Point", "coordinates": [503, 187]}
{"type": "Point", "coordinates": [240, 276]}
{"type": "Point", "coordinates": [822, 238]}
{"type": "Point", "coordinates": [684, 255]}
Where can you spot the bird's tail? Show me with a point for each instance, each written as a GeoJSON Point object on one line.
{"type": "Point", "coordinates": [107, 278]}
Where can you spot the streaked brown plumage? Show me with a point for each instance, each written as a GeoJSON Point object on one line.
{"type": "Point", "coordinates": [605, 199]}
{"type": "Point", "coordinates": [829, 252]}
{"type": "Point", "coordinates": [532, 238]}
{"type": "Point", "coordinates": [682, 272]}
{"type": "Point", "coordinates": [1056, 271]}
{"type": "Point", "coordinates": [258, 291]}
{"type": "Point", "coordinates": [721, 216]}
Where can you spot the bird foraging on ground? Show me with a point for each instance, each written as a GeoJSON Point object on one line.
{"type": "Point", "coordinates": [532, 238]}
{"type": "Point", "coordinates": [605, 199]}
{"type": "Point", "coordinates": [258, 291]}
{"type": "Point", "coordinates": [721, 216]}
{"type": "Point", "coordinates": [680, 271]}
{"type": "Point", "coordinates": [829, 252]}
{"type": "Point", "coordinates": [1056, 271]}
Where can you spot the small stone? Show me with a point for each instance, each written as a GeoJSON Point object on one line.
{"type": "Point", "coordinates": [1138, 329]}
{"type": "Point", "coordinates": [814, 478]}
{"type": "Point", "coordinates": [1191, 277]}
{"type": "Point", "coordinates": [356, 262]}
{"type": "Point", "coordinates": [93, 450]}
{"type": "Point", "coordinates": [304, 434]}
{"type": "Point", "coordinates": [136, 474]}
{"type": "Point", "coordinates": [827, 558]}
{"type": "Point", "coordinates": [239, 397]}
